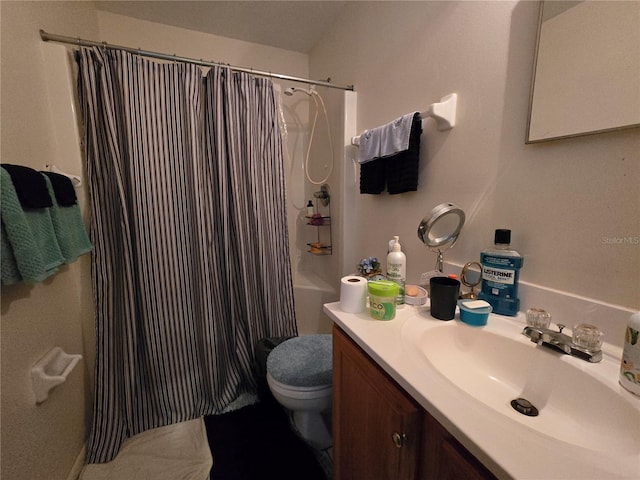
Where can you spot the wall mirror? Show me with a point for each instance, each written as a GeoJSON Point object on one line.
{"type": "Point", "coordinates": [586, 76]}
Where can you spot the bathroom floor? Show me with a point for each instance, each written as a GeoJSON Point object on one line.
{"type": "Point", "coordinates": [257, 441]}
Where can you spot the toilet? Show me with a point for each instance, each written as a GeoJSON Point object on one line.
{"type": "Point", "coordinates": [299, 377]}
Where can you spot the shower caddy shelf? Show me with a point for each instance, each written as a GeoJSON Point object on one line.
{"type": "Point", "coordinates": [319, 247]}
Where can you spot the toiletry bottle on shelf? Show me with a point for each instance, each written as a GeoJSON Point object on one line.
{"type": "Point", "coordinates": [310, 209]}
{"type": "Point", "coordinates": [630, 365]}
{"type": "Point", "coordinates": [397, 268]}
{"type": "Point", "coordinates": [500, 270]}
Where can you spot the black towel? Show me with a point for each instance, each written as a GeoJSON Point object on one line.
{"type": "Point", "coordinates": [62, 189]}
{"type": "Point", "coordinates": [373, 176]}
{"type": "Point", "coordinates": [30, 185]}
{"type": "Point", "coordinates": [402, 168]}
{"type": "Point", "coordinates": [398, 172]}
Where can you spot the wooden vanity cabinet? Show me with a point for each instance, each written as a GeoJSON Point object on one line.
{"type": "Point", "coordinates": [381, 433]}
{"type": "Point", "coordinates": [444, 458]}
{"type": "Point", "coordinates": [376, 425]}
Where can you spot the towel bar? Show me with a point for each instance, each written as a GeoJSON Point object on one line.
{"type": "Point", "coordinates": [444, 113]}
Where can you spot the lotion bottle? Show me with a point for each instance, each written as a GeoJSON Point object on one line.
{"type": "Point", "coordinates": [630, 365]}
{"type": "Point", "coordinates": [397, 268]}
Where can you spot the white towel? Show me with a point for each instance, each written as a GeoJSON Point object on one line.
{"type": "Point", "coordinates": [386, 140]}
{"type": "Point", "coordinates": [175, 451]}
{"type": "Point", "coordinates": [369, 147]}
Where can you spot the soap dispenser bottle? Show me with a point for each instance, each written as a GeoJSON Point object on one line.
{"type": "Point", "coordinates": [397, 268]}
{"type": "Point", "coordinates": [630, 365]}
{"type": "Point", "coordinates": [500, 270]}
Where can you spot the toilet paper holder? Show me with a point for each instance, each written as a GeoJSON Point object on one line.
{"type": "Point", "coordinates": [52, 370]}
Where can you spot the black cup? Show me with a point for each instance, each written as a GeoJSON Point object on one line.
{"type": "Point", "coordinates": [444, 292]}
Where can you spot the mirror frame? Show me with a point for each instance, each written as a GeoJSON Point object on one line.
{"type": "Point", "coordinates": [438, 213]}
{"type": "Point", "coordinates": [445, 242]}
{"type": "Point", "coordinates": [531, 92]}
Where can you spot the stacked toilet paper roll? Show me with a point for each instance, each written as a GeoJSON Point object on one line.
{"type": "Point", "coordinates": [353, 294]}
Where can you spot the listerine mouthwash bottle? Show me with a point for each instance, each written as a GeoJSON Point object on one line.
{"type": "Point", "coordinates": [500, 270]}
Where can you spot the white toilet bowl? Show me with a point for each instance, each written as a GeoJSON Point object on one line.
{"type": "Point", "coordinates": [299, 377]}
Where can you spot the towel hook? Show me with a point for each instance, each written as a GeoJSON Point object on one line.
{"type": "Point", "coordinates": [75, 179]}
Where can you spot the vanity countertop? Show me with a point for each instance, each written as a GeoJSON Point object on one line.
{"type": "Point", "coordinates": [501, 441]}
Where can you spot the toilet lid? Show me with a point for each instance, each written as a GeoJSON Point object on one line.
{"type": "Point", "coordinates": [302, 361]}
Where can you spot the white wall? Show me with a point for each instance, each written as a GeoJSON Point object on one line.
{"type": "Point", "coordinates": [566, 201]}
{"type": "Point", "coordinates": [41, 441]}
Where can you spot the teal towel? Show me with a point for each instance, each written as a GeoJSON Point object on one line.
{"type": "Point", "coordinates": [69, 228]}
{"type": "Point", "coordinates": [29, 234]}
{"type": "Point", "coordinates": [10, 272]}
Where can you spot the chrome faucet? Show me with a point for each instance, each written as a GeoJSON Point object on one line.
{"type": "Point", "coordinates": [562, 342]}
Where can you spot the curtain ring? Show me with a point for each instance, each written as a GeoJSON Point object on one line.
{"type": "Point", "coordinates": [104, 45]}
{"type": "Point", "coordinates": [79, 42]}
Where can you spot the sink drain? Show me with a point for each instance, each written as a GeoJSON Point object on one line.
{"type": "Point", "coordinates": [525, 407]}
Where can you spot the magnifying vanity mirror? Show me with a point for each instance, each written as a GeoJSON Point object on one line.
{"type": "Point", "coordinates": [586, 75]}
{"type": "Point", "coordinates": [471, 276]}
{"type": "Point", "coordinates": [440, 229]}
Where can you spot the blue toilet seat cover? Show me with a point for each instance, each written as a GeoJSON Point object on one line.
{"type": "Point", "coordinates": [302, 361]}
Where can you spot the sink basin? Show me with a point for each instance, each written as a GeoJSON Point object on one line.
{"type": "Point", "coordinates": [579, 403]}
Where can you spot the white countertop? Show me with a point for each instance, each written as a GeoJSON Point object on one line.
{"type": "Point", "coordinates": [503, 444]}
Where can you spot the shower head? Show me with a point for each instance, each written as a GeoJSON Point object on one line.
{"type": "Point", "coordinates": [290, 91]}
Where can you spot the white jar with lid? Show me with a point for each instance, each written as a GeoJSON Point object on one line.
{"type": "Point", "coordinates": [630, 366]}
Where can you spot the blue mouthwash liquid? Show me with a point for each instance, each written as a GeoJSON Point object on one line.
{"type": "Point", "coordinates": [500, 271]}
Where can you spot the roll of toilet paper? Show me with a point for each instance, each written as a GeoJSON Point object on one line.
{"type": "Point", "coordinates": [353, 294]}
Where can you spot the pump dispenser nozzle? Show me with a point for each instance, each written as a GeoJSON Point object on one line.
{"type": "Point", "coordinates": [396, 244]}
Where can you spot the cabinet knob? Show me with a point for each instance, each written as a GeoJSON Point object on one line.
{"type": "Point", "coordinates": [398, 439]}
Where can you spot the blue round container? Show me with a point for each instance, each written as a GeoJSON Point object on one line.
{"type": "Point", "coordinates": [474, 316]}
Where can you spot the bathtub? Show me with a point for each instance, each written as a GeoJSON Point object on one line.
{"type": "Point", "coordinates": [310, 293]}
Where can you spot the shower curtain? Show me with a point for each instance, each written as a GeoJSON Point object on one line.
{"type": "Point", "coordinates": [191, 263]}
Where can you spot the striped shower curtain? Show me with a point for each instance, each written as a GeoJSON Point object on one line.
{"type": "Point", "coordinates": [191, 264]}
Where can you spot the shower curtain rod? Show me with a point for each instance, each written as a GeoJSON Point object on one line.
{"type": "Point", "coordinates": [50, 37]}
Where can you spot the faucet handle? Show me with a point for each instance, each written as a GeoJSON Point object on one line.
{"type": "Point", "coordinates": [587, 336]}
{"type": "Point", "coordinates": [560, 327]}
{"type": "Point", "coordinates": [538, 318]}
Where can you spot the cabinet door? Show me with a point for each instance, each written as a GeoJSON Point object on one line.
{"type": "Point", "coordinates": [444, 458]}
{"type": "Point", "coordinates": [376, 425]}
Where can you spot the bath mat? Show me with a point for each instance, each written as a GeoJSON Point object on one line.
{"type": "Point", "coordinates": [165, 453]}
{"type": "Point", "coordinates": [257, 442]}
